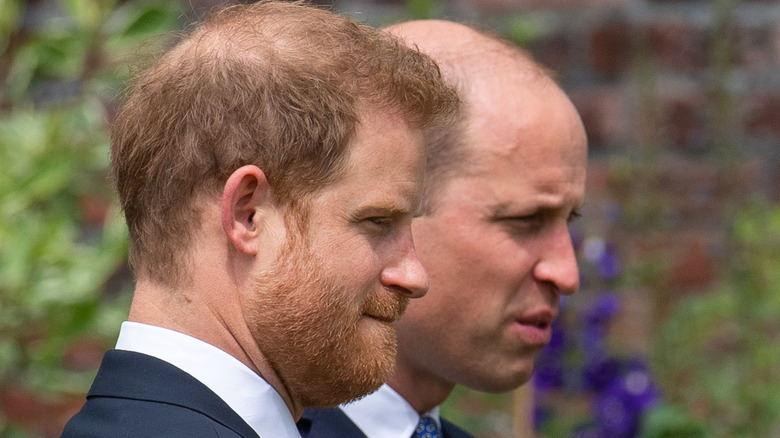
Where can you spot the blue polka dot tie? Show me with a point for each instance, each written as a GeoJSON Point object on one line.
{"type": "Point", "coordinates": [427, 428]}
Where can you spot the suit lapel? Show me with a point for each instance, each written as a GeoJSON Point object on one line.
{"type": "Point", "coordinates": [130, 375]}
{"type": "Point", "coordinates": [327, 423]}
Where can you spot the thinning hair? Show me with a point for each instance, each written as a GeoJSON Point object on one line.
{"type": "Point", "coordinates": [274, 84]}
{"type": "Point", "coordinates": [464, 64]}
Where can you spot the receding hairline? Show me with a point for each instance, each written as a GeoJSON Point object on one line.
{"type": "Point", "coordinates": [471, 60]}
{"type": "Point", "coordinates": [244, 38]}
{"type": "Point", "coordinates": [466, 52]}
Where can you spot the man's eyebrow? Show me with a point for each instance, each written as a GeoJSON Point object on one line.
{"type": "Point", "coordinates": [506, 209]}
{"type": "Point", "coordinates": [387, 208]}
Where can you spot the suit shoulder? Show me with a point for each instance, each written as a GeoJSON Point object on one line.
{"type": "Point", "coordinates": [327, 423]}
{"type": "Point", "coordinates": [115, 417]}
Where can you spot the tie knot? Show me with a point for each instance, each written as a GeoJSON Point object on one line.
{"type": "Point", "coordinates": [427, 428]}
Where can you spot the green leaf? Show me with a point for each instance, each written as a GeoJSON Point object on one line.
{"type": "Point", "coordinates": [136, 21]}
{"type": "Point", "coordinates": [423, 9]}
{"type": "Point", "coordinates": [10, 17]}
{"type": "Point", "coordinates": [87, 14]}
{"type": "Point", "coordinates": [523, 30]}
{"type": "Point", "coordinates": [668, 421]}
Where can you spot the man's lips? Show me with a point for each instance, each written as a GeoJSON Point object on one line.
{"type": "Point", "coordinates": [535, 328]}
{"type": "Point", "coordinates": [382, 318]}
{"type": "Point", "coordinates": [540, 318]}
{"type": "Point", "coordinates": [387, 311]}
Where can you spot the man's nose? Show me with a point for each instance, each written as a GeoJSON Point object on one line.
{"type": "Point", "coordinates": [406, 274]}
{"type": "Point", "coordinates": [557, 264]}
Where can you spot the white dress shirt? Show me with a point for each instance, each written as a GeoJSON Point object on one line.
{"type": "Point", "coordinates": [385, 414]}
{"type": "Point", "coordinates": [251, 397]}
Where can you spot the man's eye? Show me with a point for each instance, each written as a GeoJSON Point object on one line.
{"type": "Point", "coordinates": [574, 216]}
{"type": "Point", "coordinates": [523, 224]}
{"type": "Point", "coordinates": [379, 223]}
{"type": "Point", "coordinates": [382, 221]}
{"type": "Point", "coordinates": [525, 220]}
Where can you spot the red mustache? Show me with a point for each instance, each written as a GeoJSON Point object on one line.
{"type": "Point", "coordinates": [387, 308]}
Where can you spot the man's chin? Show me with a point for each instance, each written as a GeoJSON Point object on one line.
{"type": "Point", "coordinates": [348, 390]}
{"type": "Point", "coordinates": [361, 372]}
{"type": "Point", "coordinates": [498, 380]}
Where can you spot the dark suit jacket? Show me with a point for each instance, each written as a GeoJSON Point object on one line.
{"type": "Point", "coordinates": [334, 423]}
{"type": "Point", "coordinates": [135, 396]}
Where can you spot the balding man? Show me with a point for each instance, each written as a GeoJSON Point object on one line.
{"type": "Point", "coordinates": [269, 166]}
{"type": "Point", "coordinates": [501, 187]}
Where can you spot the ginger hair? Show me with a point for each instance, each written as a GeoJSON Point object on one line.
{"type": "Point", "coordinates": [274, 84]}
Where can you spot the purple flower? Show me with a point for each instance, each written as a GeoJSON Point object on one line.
{"type": "Point", "coordinates": [596, 325]}
{"type": "Point", "coordinates": [638, 381]}
{"type": "Point", "coordinates": [619, 407]}
{"type": "Point", "coordinates": [598, 374]}
{"type": "Point", "coordinates": [608, 263]}
{"type": "Point", "coordinates": [541, 416]}
{"type": "Point", "coordinates": [549, 369]}
{"type": "Point", "coordinates": [603, 255]}
{"type": "Point", "coordinates": [603, 310]}
{"type": "Point", "coordinates": [616, 415]}
{"type": "Point", "coordinates": [548, 376]}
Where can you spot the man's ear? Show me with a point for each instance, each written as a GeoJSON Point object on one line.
{"type": "Point", "coordinates": [245, 191]}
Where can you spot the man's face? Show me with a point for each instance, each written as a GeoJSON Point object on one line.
{"type": "Point", "coordinates": [323, 314]}
{"type": "Point", "coordinates": [497, 246]}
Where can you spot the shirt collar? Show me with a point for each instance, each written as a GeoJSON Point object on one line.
{"type": "Point", "coordinates": [385, 414]}
{"type": "Point", "coordinates": [251, 397]}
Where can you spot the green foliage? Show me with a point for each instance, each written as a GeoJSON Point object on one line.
{"type": "Point", "coordinates": [723, 344]}
{"type": "Point", "coordinates": [61, 236]}
{"type": "Point", "coordinates": [524, 30]}
{"type": "Point", "coordinates": [423, 9]}
{"type": "Point", "coordinates": [51, 264]}
{"type": "Point", "coordinates": [667, 421]}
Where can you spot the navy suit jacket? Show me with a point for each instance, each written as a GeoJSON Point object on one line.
{"type": "Point", "coordinates": [334, 423]}
{"type": "Point", "coordinates": [138, 396]}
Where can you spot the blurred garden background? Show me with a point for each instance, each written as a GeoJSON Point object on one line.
{"type": "Point", "coordinates": [674, 332]}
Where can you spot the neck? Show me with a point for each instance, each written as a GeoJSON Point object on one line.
{"type": "Point", "coordinates": [423, 390]}
{"type": "Point", "coordinates": [214, 317]}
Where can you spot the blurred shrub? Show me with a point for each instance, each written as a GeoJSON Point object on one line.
{"type": "Point", "coordinates": [61, 238]}
{"type": "Point", "coordinates": [723, 344]}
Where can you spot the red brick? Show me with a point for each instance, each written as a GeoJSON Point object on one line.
{"type": "Point", "coordinates": [94, 210]}
{"type": "Point", "coordinates": [83, 355]}
{"type": "Point", "coordinates": [752, 174]}
{"type": "Point", "coordinates": [694, 267]}
{"type": "Point", "coordinates": [554, 52]}
{"type": "Point", "coordinates": [762, 115]}
{"type": "Point", "coordinates": [603, 113]}
{"type": "Point", "coordinates": [685, 123]}
{"type": "Point", "coordinates": [678, 45]}
{"type": "Point", "coordinates": [755, 51]}
{"type": "Point", "coordinates": [693, 192]}
{"type": "Point", "coordinates": [610, 48]}
{"type": "Point", "coordinates": [40, 416]}
{"type": "Point", "coordinates": [599, 177]}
